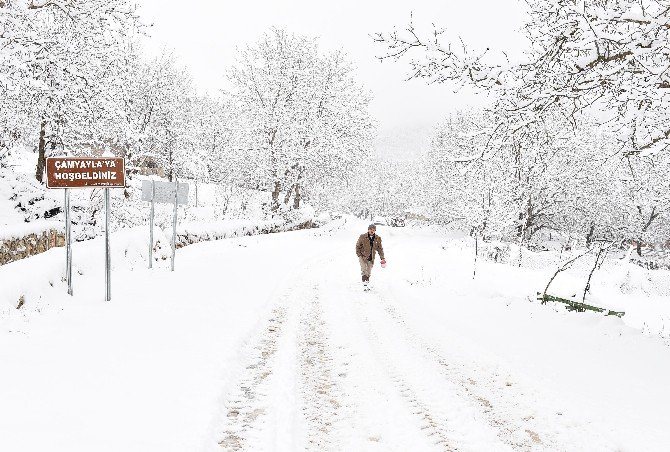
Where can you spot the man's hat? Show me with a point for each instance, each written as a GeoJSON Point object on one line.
{"type": "Point", "coordinates": [372, 226]}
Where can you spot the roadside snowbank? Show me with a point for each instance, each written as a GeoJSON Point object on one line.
{"type": "Point", "coordinates": [20, 230]}
{"type": "Point", "coordinates": [190, 233]}
{"type": "Point", "coordinates": [37, 279]}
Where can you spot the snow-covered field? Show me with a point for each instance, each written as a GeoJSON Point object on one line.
{"type": "Point", "coordinates": [268, 343]}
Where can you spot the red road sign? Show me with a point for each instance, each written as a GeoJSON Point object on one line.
{"type": "Point", "coordinates": [78, 172]}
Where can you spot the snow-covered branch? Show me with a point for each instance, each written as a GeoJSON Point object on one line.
{"type": "Point", "coordinates": [611, 55]}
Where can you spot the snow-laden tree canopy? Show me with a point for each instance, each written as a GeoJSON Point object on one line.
{"type": "Point", "coordinates": [609, 56]}
{"type": "Point", "coordinates": [573, 184]}
{"type": "Point", "coordinates": [303, 117]}
{"type": "Point", "coordinates": [57, 61]}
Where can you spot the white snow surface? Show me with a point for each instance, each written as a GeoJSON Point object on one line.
{"type": "Point", "coordinates": [20, 230]}
{"type": "Point", "coordinates": [269, 343]}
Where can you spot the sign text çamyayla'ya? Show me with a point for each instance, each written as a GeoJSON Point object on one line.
{"type": "Point", "coordinates": [77, 172]}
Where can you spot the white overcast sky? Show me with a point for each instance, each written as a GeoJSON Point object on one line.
{"type": "Point", "coordinates": [204, 35]}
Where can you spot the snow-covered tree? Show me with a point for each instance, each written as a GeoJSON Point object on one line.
{"type": "Point", "coordinates": [574, 183]}
{"type": "Point", "coordinates": [56, 62]}
{"type": "Point", "coordinates": [302, 117]}
{"type": "Point", "coordinates": [646, 198]}
{"type": "Point", "coordinates": [161, 108]}
{"type": "Point", "coordinates": [583, 54]}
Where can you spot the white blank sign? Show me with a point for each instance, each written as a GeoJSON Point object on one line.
{"type": "Point", "coordinates": [164, 192]}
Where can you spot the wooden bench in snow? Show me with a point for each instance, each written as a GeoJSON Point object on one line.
{"type": "Point", "coordinates": [576, 305]}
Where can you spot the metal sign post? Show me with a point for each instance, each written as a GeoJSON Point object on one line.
{"type": "Point", "coordinates": [108, 257]}
{"type": "Point", "coordinates": [68, 243]}
{"type": "Point", "coordinates": [174, 193]}
{"type": "Point", "coordinates": [86, 172]}
{"type": "Point", "coordinates": [151, 225]}
{"type": "Point", "coordinates": [174, 220]}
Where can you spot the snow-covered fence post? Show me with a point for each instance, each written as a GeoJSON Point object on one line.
{"type": "Point", "coordinates": [174, 220]}
{"type": "Point", "coordinates": [521, 241]}
{"type": "Point", "coordinates": [151, 224]}
{"type": "Point", "coordinates": [108, 257]}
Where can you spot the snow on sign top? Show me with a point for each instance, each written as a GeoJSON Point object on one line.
{"type": "Point", "coordinates": [79, 172]}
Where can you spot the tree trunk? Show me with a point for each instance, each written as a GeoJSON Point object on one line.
{"type": "Point", "coordinates": [41, 158]}
{"type": "Point", "coordinates": [128, 155]}
{"type": "Point", "coordinates": [273, 162]}
{"type": "Point", "coordinates": [651, 219]}
{"type": "Point", "coordinates": [296, 186]}
{"type": "Point", "coordinates": [589, 236]}
{"type": "Point", "coordinates": [298, 197]}
{"type": "Point", "coordinates": [275, 195]}
{"type": "Point", "coordinates": [287, 197]}
{"type": "Point", "coordinates": [171, 167]}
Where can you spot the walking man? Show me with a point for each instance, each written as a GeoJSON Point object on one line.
{"type": "Point", "coordinates": [367, 246]}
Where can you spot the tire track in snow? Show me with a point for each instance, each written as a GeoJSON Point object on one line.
{"type": "Point", "coordinates": [432, 426]}
{"type": "Point", "coordinates": [291, 348]}
{"type": "Point", "coordinates": [246, 405]}
{"type": "Point", "coordinates": [507, 428]}
{"type": "Point", "coordinates": [373, 415]}
{"type": "Point", "coordinates": [520, 434]}
{"type": "Point", "coordinates": [259, 411]}
{"type": "Point", "coordinates": [319, 388]}
{"type": "Point", "coordinates": [452, 422]}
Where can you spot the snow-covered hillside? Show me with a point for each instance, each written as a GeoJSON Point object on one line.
{"type": "Point", "coordinates": [215, 210]}
{"type": "Point", "coordinates": [269, 343]}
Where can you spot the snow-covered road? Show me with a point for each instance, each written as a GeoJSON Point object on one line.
{"type": "Point", "coordinates": [336, 368]}
{"type": "Point", "coordinates": [269, 343]}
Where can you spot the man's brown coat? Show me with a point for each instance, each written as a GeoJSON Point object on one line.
{"type": "Point", "coordinates": [363, 247]}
